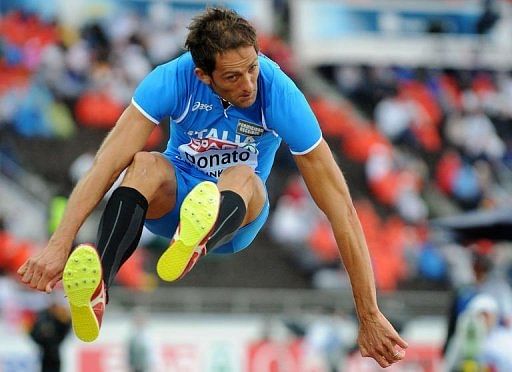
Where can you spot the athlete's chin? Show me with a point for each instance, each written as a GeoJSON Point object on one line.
{"type": "Point", "coordinates": [244, 102]}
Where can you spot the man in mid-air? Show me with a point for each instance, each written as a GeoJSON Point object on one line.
{"type": "Point", "coordinates": [230, 107]}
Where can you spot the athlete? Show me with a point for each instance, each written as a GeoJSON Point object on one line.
{"type": "Point", "coordinates": [230, 107]}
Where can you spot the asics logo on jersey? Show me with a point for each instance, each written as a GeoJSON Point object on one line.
{"type": "Point", "coordinates": [202, 106]}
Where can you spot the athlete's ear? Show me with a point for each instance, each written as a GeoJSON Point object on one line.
{"type": "Point", "coordinates": [203, 76]}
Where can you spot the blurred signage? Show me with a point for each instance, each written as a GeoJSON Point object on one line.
{"type": "Point", "coordinates": [18, 362]}
{"type": "Point", "coordinates": [188, 357]}
{"type": "Point", "coordinates": [205, 343]}
{"type": "Point", "coordinates": [333, 19]}
{"type": "Point", "coordinates": [185, 357]}
{"type": "Point", "coordinates": [17, 352]}
{"type": "Point", "coordinates": [275, 357]}
{"type": "Point", "coordinates": [403, 32]}
{"type": "Point", "coordinates": [420, 357]}
{"type": "Point", "coordinates": [78, 12]}
{"type": "Point", "coordinates": [100, 358]}
{"type": "Point", "coordinates": [260, 356]}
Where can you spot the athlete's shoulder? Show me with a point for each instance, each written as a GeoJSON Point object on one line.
{"type": "Point", "coordinates": [178, 71]}
{"type": "Point", "coordinates": [268, 67]}
{"type": "Point", "coordinates": [266, 62]}
{"type": "Point", "coordinates": [165, 90]}
{"type": "Point", "coordinates": [182, 62]}
{"type": "Point", "coordinates": [273, 80]}
{"type": "Point", "coordinates": [272, 74]}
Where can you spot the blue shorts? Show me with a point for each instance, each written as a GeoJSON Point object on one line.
{"type": "Point", "coordinates": [166, 225]}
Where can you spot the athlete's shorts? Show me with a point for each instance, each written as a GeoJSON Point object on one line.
{"type": "Point", "coordinates": [166, 225]}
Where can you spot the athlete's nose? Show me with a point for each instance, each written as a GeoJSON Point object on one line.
{"type": "Point", "coordinates": [247, 83]}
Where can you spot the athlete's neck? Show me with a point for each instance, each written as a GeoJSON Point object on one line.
{"type": "Point", "coordinates": [225, 103]}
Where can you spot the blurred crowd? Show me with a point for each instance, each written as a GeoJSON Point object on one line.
{"type": "Point", "coordinates": [414, 144]}
{"type": "Point", "coordinates": [61, 84]}
{"type": "Point", "coordinates": [55, 77]}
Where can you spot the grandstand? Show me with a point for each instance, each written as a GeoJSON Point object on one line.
{"type": "Point", "coordinates": [413, 97]}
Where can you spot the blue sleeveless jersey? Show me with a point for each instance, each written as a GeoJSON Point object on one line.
{"type": "Point", "coordinates": [205, 138]}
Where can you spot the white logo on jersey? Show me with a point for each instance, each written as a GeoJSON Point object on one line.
{"type": "Point", "coordinates": [224, 135]}
{"type": "Point", "coordinates": [212, 155]}
{"type": "Point", "coordinates": [202, 106]}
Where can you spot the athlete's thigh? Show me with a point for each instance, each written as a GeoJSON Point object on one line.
{"type": "Point", "coordinates": [153, 176]}
{"type": "Point", "coordinates": [164, 198]}
{"type": "Point", "coordinates": [243, 180]}
{"type": "Point", "coordinates": [166, 224]}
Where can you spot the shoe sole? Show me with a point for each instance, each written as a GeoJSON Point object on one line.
{"type": "Point", "coordinates": [81, 277]}
{"type": "Point", "coordinates": [198, 214]}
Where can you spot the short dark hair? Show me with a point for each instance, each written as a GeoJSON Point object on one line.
{"type": "Point", "coordinates": [216, 31]}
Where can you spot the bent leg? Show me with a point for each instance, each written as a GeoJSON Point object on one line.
{"type": "Point", "coordinates": [210, 215]}
{"type": "Point", "coordinates": [153, 176]}
{"type": "Point", "coordinates": [242, 199]}
{"type": "Point", "coordinates": [242, 180]}
{"type": "Point", "coordinates": [147, 190]}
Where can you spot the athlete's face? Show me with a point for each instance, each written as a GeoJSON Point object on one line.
{"type": "Point", "coordinates": [235, 77]}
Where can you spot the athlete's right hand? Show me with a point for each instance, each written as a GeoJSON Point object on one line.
{"type": "Point", "coordinates": [44, 269]}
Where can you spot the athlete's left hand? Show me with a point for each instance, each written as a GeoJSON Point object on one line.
{"type": "Point", "coordinates": [44, 269]}
{"type": "Point", "coordinates": [379, 340]}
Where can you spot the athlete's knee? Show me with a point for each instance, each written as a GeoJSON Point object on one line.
{"type": "Point", "coordinates": [144, 165]}
{"type": "Point", "coordinates": [143, 161]}
{"type": "Point", "coordinates": [241, 175]}
{"type": "Point", "coordinates": [238, 172]}
{"type": "Point", "coordinates": [245, 182]}
{"type": "Point", "coordinates": [241, 179]}
{"type": "Point", "coordinates": [148, 172]}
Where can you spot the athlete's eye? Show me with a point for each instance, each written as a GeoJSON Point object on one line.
{"type": "Point", "coordinates": [253, 68]}
{"type": "Point", "coordinates": [231, 77]}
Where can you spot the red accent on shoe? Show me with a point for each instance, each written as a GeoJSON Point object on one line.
{"type": "Point", "coordinates": [200, 252]}
{"type": "Point", "coordinates": [98, 301]}
{"type": "Point", "coordinates": [193, 260]}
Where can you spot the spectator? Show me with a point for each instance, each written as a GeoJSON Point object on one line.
{"type": "Point", "coordinates": [139, 344]}
{"type": "Point", "coordinates": [474, 326]}
{"type": "Point", "coordinates": [49, 330]}
{"type": "Point", "coordinates": [485, 282]}
{"type": "Point", "coordinates": [495, 354]}
{"type": "Point", "coordinates": [394, 116]}
{"type": "Point", "coordinates": [473, 131]}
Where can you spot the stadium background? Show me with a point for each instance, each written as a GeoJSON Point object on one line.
{"type": "Point", "coordinates": [415, 99]}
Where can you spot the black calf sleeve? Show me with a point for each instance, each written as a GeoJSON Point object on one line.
{"type": "Point", "coordinates": [231, 215]}
{"type": "Point", "coordinates": [120, 229]}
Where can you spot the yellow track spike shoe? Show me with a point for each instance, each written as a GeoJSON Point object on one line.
{"type": "Point", "coordinates": [198, 215]}
{"type": "Point", "coordinates": [85, 290]}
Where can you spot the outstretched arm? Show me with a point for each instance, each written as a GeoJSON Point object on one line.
{"type": "Point", "coordinates": [325, 182]}
{"type": "Point", "coordinates": [44, 269]}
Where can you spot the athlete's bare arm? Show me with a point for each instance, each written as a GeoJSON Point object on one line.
{"type": "Point", "coordinates": [327, 185]}
{"type": "Point", "coordinates": [43, 270]}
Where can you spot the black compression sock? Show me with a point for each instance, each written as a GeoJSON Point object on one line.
{"type": "Point", "coordinates": [120, 229]}
{"type": "Point", "coordinates": [231, 215]}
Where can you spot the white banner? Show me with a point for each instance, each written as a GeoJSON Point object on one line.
{"type": "Point", "coordinates": [212, 343]}
{"type": "Point", "coordinates": [76, 12]}
{"type": "Point", "coordinates": [399, 32]}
